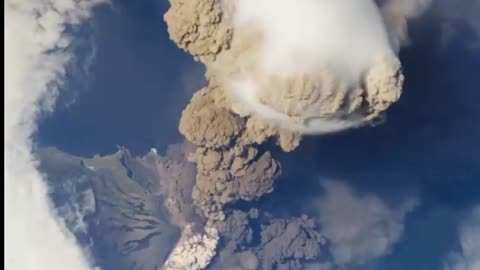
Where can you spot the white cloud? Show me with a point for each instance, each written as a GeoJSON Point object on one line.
{"type": "Point", "coordinates": [79, 204]}
{"type": "Point", "coordinates": [36, 52]}
{"type": "Point", "coordinates": [307, 35]}
{"type": "Point", "coordinates": [468, 258]}
{"type": "Point", "coordinates": [360, 227]}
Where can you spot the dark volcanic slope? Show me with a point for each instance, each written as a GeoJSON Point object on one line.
{"type": "Point", "coordinates": [113, 203]}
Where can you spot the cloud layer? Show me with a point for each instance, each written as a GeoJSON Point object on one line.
{"type": "Point", "coordinates": [36, 55]}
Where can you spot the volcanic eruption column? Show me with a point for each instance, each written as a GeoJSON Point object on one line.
{"type": "Point", "coordinates": [276, 70]}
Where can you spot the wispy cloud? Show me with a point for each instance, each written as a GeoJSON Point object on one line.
{"type": "Point", "coordinates": [468, 257]}
{"type": "Point", "coordinates": [36, 54]}
{"type": "Point", "coordinates": [360, 227]}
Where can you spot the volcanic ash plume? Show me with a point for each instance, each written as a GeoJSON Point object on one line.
{"type": "Point", "coordinates": [278, 69]}
{"type": "Point", "coordinates": [281, 243]}
{"type": "Point", "coordinates": [308, 66]}
{"type": "Point", "coordinates": [229, 164]}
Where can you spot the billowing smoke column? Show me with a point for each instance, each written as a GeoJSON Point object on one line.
{"type": "Point", "coordinates": [312, 66]}
{"type": "Point", "coordinates": [309, 66]}
{"type": "Point", "coordinates": [278, 69]}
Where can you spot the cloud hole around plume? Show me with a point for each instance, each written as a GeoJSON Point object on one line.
{"type": "Point", "coordinates": [138, 85]}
